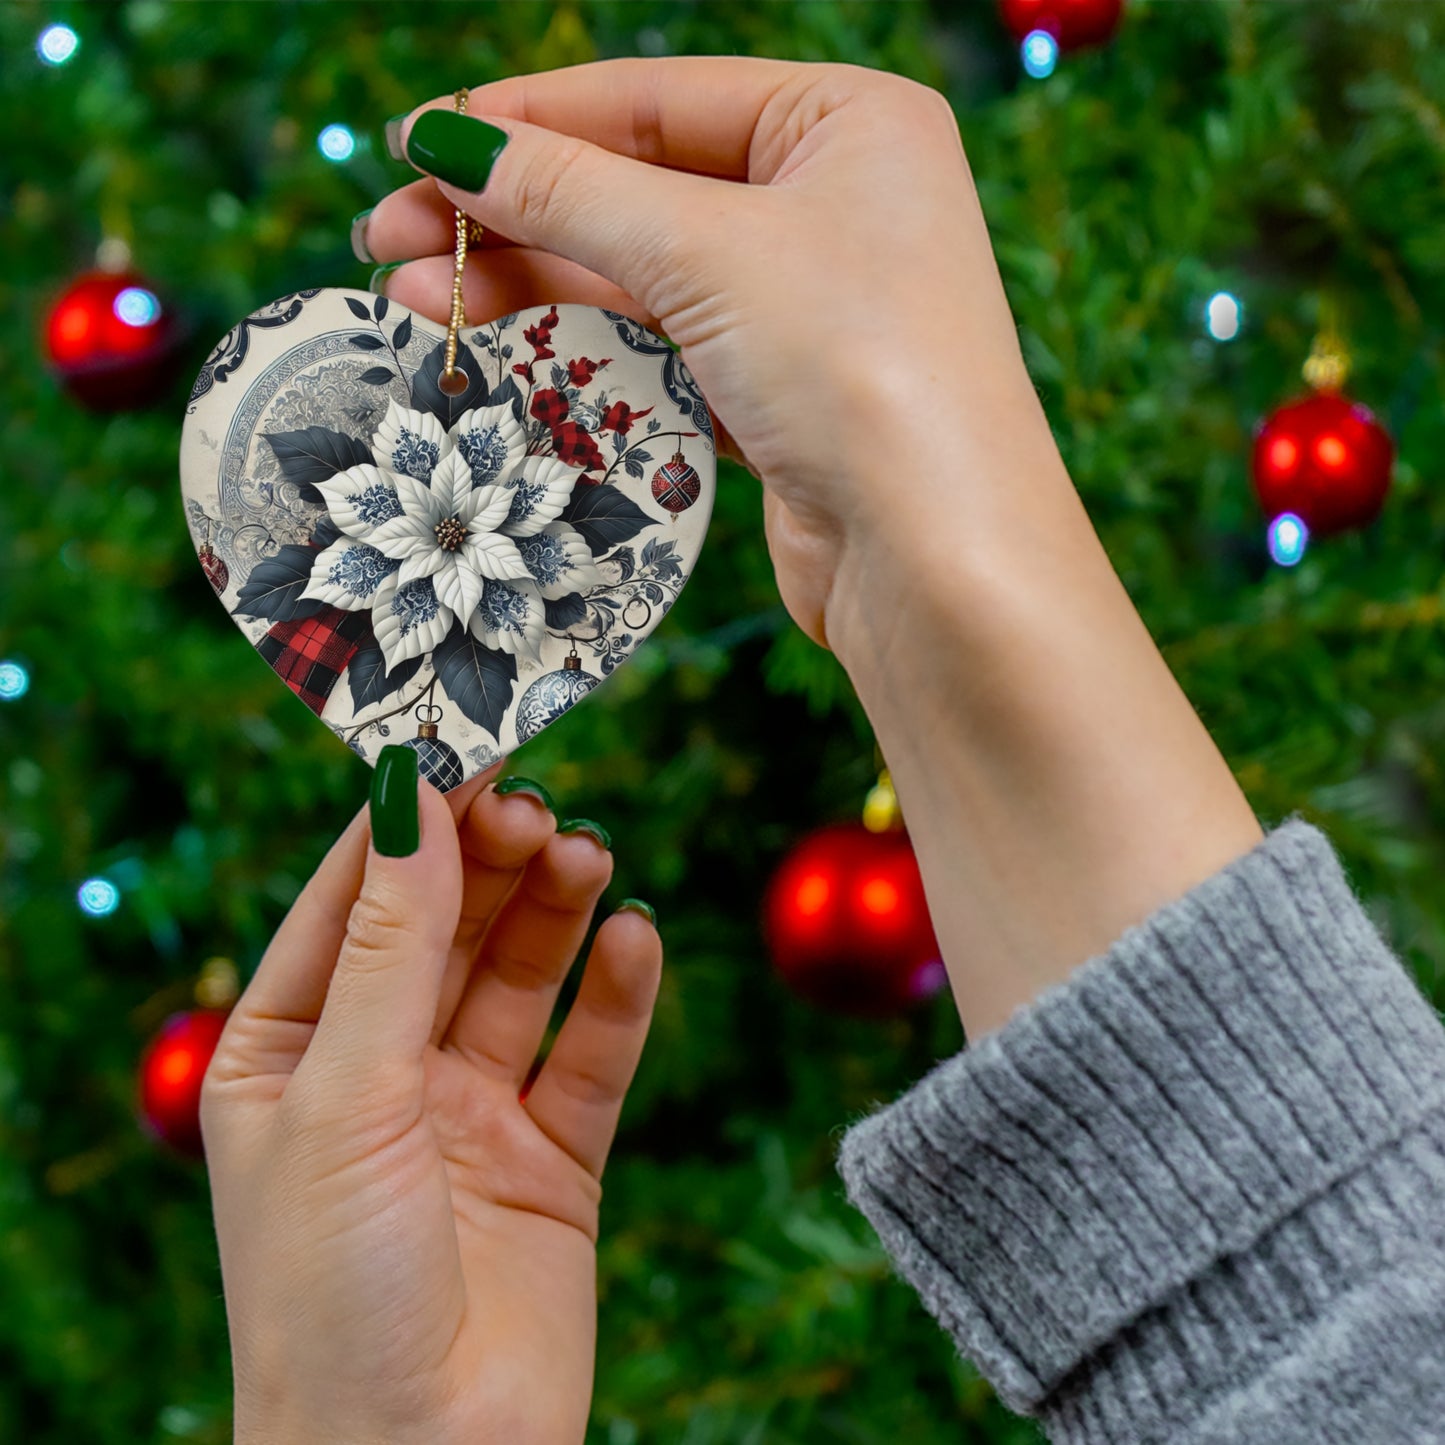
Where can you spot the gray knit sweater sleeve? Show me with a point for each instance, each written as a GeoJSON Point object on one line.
{"type": "Point", "coordinates": [1196, 1192]}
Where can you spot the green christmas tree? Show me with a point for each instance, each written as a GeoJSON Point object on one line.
{"type": "Point", "coordinates": [1290, 155]}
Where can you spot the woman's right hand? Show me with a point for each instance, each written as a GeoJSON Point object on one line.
{"type": "Point", "coordinates": [811, 238]}
{"type": "Point", "coordinates": [809, 235]}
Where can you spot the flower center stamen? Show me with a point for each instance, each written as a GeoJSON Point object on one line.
{"type": "Point", "coordinates": [450, 534]}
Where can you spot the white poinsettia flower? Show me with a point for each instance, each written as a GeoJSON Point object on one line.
{"type": "Point", "coordinates": [409, 443]}
{"type": "Point", "coordinates": [559, 560]}
{"type": "Point", "coordinates": [541, 487]}
{"type": "Point", "coordinates": [511, 618]}
{"type": "Point", "coordinates": [409, 619]}
{"type": "Point", "coordinates": [451, 528]}
{"type": "Point", "coordinates": [493, 442]}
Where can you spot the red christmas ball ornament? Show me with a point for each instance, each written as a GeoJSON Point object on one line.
{"type": "Point", "coordinates": [676, 485]}
{"type": "Point", "coordinates": [217, 573]}
{"type": "Point", "coordinates": [1326, 459]}
{"type": "Point", "coordinates": [1073, 23]}
{"type": "Point", "coordinates": [111, 341]}
{"type": "Point", "coordinates": [847, 923]}
{"type": "Point", "coordinates": [171, 1071]}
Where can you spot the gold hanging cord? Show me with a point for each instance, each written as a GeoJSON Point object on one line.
{"type": "Point", "coordinates": [453, 382]}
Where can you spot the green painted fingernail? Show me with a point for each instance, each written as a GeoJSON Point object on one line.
{"type": "Point", "coordinates": [455, 148]}
{"type": "Point", "coordinates": [586, 825]}
{"type": "Point", "coordinates": [359, 248]}
{"type": "Point", "coordinates": [515, 784]}
{"type": "Point", "coordinates": [377, 284]}
{"type": "Point", "coordinates": [636, 905]}
{"type": "Point", "coordinates": [393, 136]}
{"type": "Point", "coordinates": [395, 826]}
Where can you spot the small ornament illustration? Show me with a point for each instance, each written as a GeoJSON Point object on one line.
{"type": "Point", "coordinates": [217, 573]}
{"type": "Point", "coordinates": [436, 761]}
{"type": "Point", "coordinates": [676, 485]}
{"type": "Point", "coordinates": [552, 694]}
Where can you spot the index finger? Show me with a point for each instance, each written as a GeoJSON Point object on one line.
{"type": "Point", "coordinates": [696, 113]}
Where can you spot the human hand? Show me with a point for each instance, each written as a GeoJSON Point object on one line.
{"type": "Point", "coordinates": [407, 1246]}
{"type": "Point", "coordinates": [842, 311]}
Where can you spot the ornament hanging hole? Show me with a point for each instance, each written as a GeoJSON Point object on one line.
{"type": "Point", "coordinates": [453, 383]}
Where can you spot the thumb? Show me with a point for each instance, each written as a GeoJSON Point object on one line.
{"type": "Point", "coordinates": [382, 1000]}
{"type": "Point", "coordinates": [643, 227]}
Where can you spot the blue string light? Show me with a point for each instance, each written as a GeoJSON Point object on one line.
{"type": "Point", "coordinates": [1223, 316]}
{"type": "Point", "coordinates": [1040, 53]}
{"type": "Point", "coordinates": [57, 44]}
{"type": "Point", "coordinates": [136, 306]}
{"type": "Point", "coordinates": [14, 681]}
{"type": "Point", "coordinates": [1288, 538]}
{"type": "Point", "coordinates": [336, 143]}
{"type": "Point", "coordinates": [98, 897]}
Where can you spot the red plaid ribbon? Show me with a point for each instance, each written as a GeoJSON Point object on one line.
{"type": "Point", "coordinates": [309, 655]}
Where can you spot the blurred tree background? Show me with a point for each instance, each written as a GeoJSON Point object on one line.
{"type": "Point", "coordinates": [1291, 154]}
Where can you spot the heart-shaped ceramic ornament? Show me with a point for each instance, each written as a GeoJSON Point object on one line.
{"type": "Point", "coordinates": [449, 571]}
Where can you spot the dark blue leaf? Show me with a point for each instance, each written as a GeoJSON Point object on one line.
{"type": "Point", "coordinates": [642, 456]}
{"type": "Point", "coordinates": [632, 467]}
{"type": "Point", "coordinates": [316, 454]}
{"type": "Point", "coordinates": [369, 680]}
{"type": "Point", "coordinates": [618, 441]}
{"type": "Point", "coordinates": [566, 611]}
{"type": "Point", "coordinates": [357, 309]}
{"type": "Point", "coordinates": [377, 376]}
{"type": "Point", "coordinates": [378, 308]}
{"type": "Point", "coordinates": [508, 391]}
{"type": "Point", "coordinates": [604, 516]}
{"type": "Point", "coordinates": [367, 343]}
{"type": "Point", "coordinates": [559, 376]}
{"type": "Point", "coordinates": [326, 531]}
{"type": "Point", "coordinates": [274, 588]}
{"type": "Point", "coordinates": [653, 425]}
{"type": "Point", "coordinates": [401, 337]}
{"type": "Point", "coordinates": [426, 392]}
{"type": "Point", "coordinates": [479, 680]}
{"type": "Point", "coordinates": [649, 552]}
{"type": "Point", "coordinates": [625, 562]}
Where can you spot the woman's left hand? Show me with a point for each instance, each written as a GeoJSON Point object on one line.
{"type": "Point", "coordinates": [407, 1243]}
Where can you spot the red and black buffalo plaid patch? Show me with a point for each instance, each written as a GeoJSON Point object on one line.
{"type": "Point", "coordinates": [310, 654]}
{"type": "Point", "coordinates": [549, 406]}
{"type": "Point", "coordinates": [575, 447]}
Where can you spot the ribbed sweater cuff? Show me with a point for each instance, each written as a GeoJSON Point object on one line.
{"type": "Point", "coordinates": [1118, 1147]}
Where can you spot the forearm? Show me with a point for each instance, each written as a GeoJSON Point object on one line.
{"type": "Point", "coordinates": [1057, 784]}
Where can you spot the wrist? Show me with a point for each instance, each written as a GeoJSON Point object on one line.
{"type": "Point", "coordinates": [1057, 784]}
